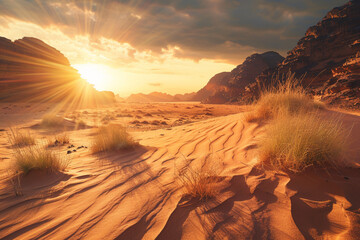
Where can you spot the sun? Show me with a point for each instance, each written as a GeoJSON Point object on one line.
{"type": "Point", "coordinates": [96, 74]}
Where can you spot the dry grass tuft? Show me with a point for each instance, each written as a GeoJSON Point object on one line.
{"type": "Point", "coordinates": [199, 183]}
{"type": "Point", "coordinates": [35, 157]}
{"type": "Point", "coordinates": [112, 138]}
{"type": "Point", "coordinates": [20, 139]}
{"type": "Point", "coordinates": [202, 182]}
{"type": "Point", "coordinates": [58, 140]}
{"type": "Point", "coordinates": [285, 97]}
{"type": "Point", "coordinates": [52, 121]}
{"type": "Point", "coordinates": [80, 124]}
{"type": "Point", "coordinates": [295, 142]}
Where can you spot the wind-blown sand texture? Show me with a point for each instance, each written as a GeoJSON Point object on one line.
{"type": "Point", "coordinates": [137, 194]}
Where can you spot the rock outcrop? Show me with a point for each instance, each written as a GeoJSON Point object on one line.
{"type": "Point", "coordinates": [230, 86]}
{"type": "Point", "coordinates": [31, 70]}
{"type": "Point", "coordinates": [327, 58]}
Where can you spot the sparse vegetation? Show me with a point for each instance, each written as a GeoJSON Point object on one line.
{"type": "Point", "coordinates": [297, 136]}
{"type": "Point", "coordinates": [52, 121]}
{"type": "Point", "coordinates": [112, 138]}
{"type": "Point", "coordinates": [297, 141]}
{"type": "Point", "coordinates": [58, 140]}
{"type": "Point", "coordinates": [20, 139]}
{"type": "Point", "coordinates": [80, 124]}
{"type": "Point", "coordinates": [285, 97]}
{"type": "Point", "coordinates": [199, 183]}
{"type": "Point", "coordinates": [35, 157]}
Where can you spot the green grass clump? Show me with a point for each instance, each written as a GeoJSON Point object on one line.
{"type": "Point", "coordinates": [34, 157]}
{"type": "Point", "coordinates": [112, 138]}
{"type": "Point", "coordinates": [295, 142]}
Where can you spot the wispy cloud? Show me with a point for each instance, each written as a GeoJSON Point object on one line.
{"type": "Point", "coordinates": [155, 84]}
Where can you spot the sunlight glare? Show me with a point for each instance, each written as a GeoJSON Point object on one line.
{"type": "Point", "coordinates": [96, 74]}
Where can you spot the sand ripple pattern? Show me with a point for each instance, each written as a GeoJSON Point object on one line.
{"type": "Point", "coordinates": [136, 195]}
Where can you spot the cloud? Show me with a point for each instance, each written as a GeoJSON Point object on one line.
{"type": "Point", "coordinates": [155, 84]}
{"type": "Point", "coordinates": [223, 30]}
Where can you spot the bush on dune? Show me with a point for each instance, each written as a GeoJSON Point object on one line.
{"type": "Point", "coordinates": [80, 124]}
{"type": "Point", "coordinates": [52, 121]}
{"type": "Point", "coordinates": [57, 140]}
{"type": "Point", "coordinates": [297, 135]}
{"type": "Point", "coordinates": [20, 139]}
{"type": "Point", "coordinates": [285, 97]}
{"type": "Point", "coordinates": [35, 157]}
{"type": "Point", "coordinates": [112, 138]}
{"type": "Point", "coordinates": [295, 142]}
{"type": "Point", "coordinates": [199, 184]}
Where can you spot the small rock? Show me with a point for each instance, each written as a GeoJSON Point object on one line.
{"type": "Point", "coordinates": [68, 152]}
{"type": "Point", "coordinates": [74, 150]}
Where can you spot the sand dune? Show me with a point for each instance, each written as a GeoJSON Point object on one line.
{"type": "Point", "coordinates": [137, 194]}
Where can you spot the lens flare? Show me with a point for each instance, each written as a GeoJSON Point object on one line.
{"type": "Point", "coordinates": [95, 74]}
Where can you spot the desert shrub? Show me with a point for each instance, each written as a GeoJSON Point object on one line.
{"type": "Point", "coordinates": [199, 183]}
{"type": "Point", "coordinates": [35, 157]}
{"type": "Point", "coordinates": [57, 140]}
{"type": "Point", "coordinates": [111, 138]}
{"type": "Point", "coordinates": [297, 141]}
{"type": "Point", "coordinates": [52, 121]}
{"type": "Point", "coordinates": [80, 123]}
{"type": "Point", "coordinates": [20, 139]}
{"type": "Point", "coordinates": [284, 97]}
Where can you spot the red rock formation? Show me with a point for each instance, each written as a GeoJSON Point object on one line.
{"type": "Point", "coordinates": [230, 87]}
{"type": "Point", "coordinates": [326, 56]}
{"type": "Point", "coordinates": [215, 84]}
{"type": "Point", "coordinates": [31, 70]}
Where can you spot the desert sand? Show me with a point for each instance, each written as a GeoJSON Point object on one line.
{"type": "Point", "coordinates": [136, 194]}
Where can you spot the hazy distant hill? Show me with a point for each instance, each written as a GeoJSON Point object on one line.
{"type": "Point", "coordinates": [229, 86]}
{"type": "Point", "coordinates": [160, 97]}
{"type": "Point", "coordinates": [31, 70]}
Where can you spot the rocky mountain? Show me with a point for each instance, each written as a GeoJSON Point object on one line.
{"type": "Point", "coordinates": [160, 97]}
{"type": "Point", "coordinates": [31, 70]}
{"type": "Point", "coordinates": [327, 58]}
{"type": "Point", "coordinates": [215, 84]}
{"type": "Point", "coordinates": [230, 86]}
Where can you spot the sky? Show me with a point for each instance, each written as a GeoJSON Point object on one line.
{"type": "Point", "coordinates": [172, 46]}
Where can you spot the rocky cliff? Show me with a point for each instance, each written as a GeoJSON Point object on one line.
{"type": "Point", "coordinates": [31, 70]}
{"type": "Point", "coordinates": [230, 86]}
{"type": "Point", "coordinates": [327, 58]}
